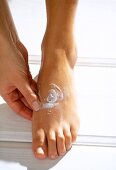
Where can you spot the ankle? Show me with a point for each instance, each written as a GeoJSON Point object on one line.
{"type": "Point", "coordinates": [57, 36]}
{"type": "Point", "coordinates": [55, 47]}
{"type": "Point", "coordinates": [60, 56]}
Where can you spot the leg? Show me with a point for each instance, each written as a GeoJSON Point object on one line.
{"type": "Point", "coordinates": [56, 124]}
{"type": "Point", "coordinates": [7, 27]}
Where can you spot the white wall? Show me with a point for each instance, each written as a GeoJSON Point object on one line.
{"type": "Point", "coordinates": [95, 26]}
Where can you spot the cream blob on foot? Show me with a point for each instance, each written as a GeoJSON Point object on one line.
{"type": "Point", "coordinates": [55, 95]}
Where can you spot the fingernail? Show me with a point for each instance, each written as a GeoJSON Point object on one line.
{"type": "Point", "coordinates": [40, 151]}
{"type": "Point", "coordinates": [35, 106]}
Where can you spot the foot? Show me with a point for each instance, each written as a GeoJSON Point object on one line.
{"type": "Point", "coordinates": [55, 125]}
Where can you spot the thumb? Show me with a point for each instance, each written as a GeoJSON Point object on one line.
{"type": "Point", "coordinates": [30, 96]}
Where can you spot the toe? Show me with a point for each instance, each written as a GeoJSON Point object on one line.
{"type": "Point", "coordinates": [52, 150]}
{"type": "Point", "coordinates": [61, 142]}
{"type": "Point", "coordinates": [39, 145]}
{"type": "Point", "coordinates": [74, 133]}
{"type": "Point", "coordinates": [68, 138]}
{"type": "Point", "coordinates": [40, 152]}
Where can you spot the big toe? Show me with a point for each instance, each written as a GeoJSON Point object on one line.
{"type": "Point", "coordinates": [39, 144]}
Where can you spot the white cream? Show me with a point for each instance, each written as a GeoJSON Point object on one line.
{"type": "Point", "coordinates": [54, 96]}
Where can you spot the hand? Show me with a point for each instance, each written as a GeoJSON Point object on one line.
{"type": "Point", "coordinates": [17, 87]}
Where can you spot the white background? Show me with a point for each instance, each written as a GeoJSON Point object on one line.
{"type": "Point", "coordinates": [95, 26]}
{"type": "Point", "coordinates": [95, 32]}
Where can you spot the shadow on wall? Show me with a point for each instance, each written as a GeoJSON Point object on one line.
{"type": "Point", "coordinates": [18, 155]}
{"type": "Point", "coordinates": [23, 159]}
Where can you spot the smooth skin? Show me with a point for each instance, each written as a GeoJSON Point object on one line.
{"type": "Point", "coordinates": [54, 133]}
{"type": "Point", "coordinates": [16, 84]}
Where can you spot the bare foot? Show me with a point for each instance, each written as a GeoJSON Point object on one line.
{"type": "Point", "coordinates": [55, 125]}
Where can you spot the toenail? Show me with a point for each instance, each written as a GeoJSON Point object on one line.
{"type": "Point", "coordinates": [40, 151]}
{"type": "Point", "coordinates": [53, 156]}
{"type": "Point", "coordinates": [69, 147]}
{"type": "Point", "coordinates": [62, 153]}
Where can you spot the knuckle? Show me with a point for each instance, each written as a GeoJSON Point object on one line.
{"type": "Point", "coordinates": [68, 137]}
{"type": "Point", "coordinates": [60, 138]}
{"type": "Point", "coordinates": [52, 140]}
{"type": "Point", "coordinates": [40, 142]}
{"type": "Point", "coordinates": [51, 136]}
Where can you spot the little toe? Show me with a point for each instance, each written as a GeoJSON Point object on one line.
{"type": "Point", "coordinates": [39, 145]}
{"type": "Point", "coordinates": [61, 142]}
{"type": "Point", "coordinates": [74, 133]}
{"type": "Point", "coordinates": [52, 150]}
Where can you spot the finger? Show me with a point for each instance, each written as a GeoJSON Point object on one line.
{"type": "Point", "coordinates": [30, 96]}
{"type": "Point", "coordinates": [16, 95]}
{"type": "Point", "coordinates": [25, 102]}
{"type": "Point", "coordinates": [19, 107]}
{"type": "Point", "coordinates": [12, 96]}
{"type": "Point", "coordinates": [13, 99]}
